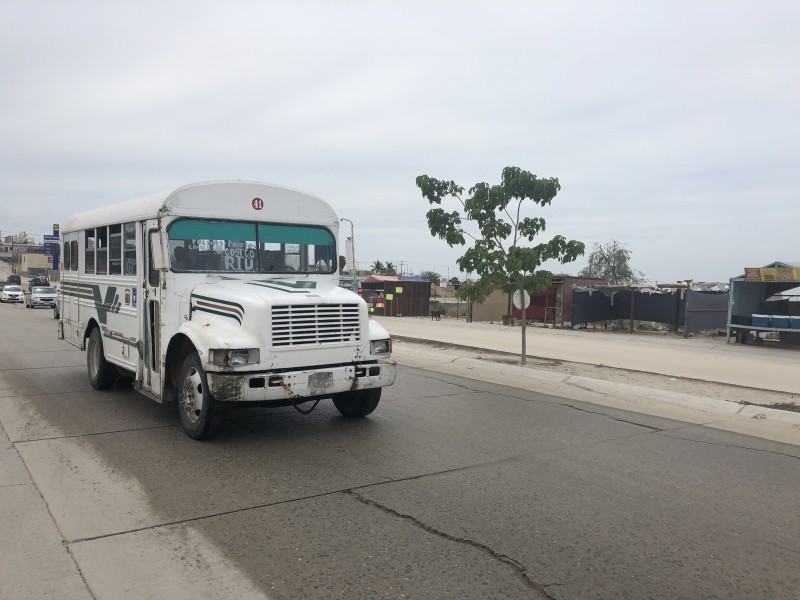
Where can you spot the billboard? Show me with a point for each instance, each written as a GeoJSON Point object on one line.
{"type": "Point", "coordinates": [772, 274]}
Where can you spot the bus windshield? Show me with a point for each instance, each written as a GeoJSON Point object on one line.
{"type": "Point", "coordinates": [201, 245]}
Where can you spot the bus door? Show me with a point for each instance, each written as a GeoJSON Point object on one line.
{"type": "Point", "coordinates": [151, 323]}
{"type": "Point", "coordinates": [69, 284]}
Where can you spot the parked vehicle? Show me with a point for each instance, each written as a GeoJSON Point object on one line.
{"type": "Point", "coordinates": [11, 293]}
{"type": "Point", "coordinates": [14, 279]}
{"type": "Point", "coordinates": [40, 296]}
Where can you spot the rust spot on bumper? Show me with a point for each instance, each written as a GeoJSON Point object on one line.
{"type": "Point", "coordinates": [288, 389]}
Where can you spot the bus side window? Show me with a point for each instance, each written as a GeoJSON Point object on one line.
{"type": "Point", "coordinates": [89, 251]}
{"type": "Point", "coordinates": [102, 251]}
{"type": "Point", "coordinates": [129, 245]}
{"type": "Point", "coordinates": [115, 250]}
{"type": "Point", "coordinates": [73, 245]}
{"type": "Point", "coordinates": [66, 260]}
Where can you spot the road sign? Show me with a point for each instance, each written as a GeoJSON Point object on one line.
{"type": "Point", "coordinates": [50, 260]}
{"type": "Point", "coordinates": [518, 301]}
{"type": "Point", "coordinates": [48, 248]}
{"type": "Point", "coordinates": [51, 238]}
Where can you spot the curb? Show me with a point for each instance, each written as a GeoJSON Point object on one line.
{"type": "Point", "coordinates": [607, 388]}
{"type": "Point", "coordinates": [427, 342]}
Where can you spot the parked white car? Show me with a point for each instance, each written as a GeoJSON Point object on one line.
{"type": "Point", "coordinates": [11, 293]}
{"type": "Point", "coordinates": [41, 296]}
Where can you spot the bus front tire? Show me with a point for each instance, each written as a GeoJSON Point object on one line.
{"type": "Point", "coordinates": [202, 416]}
{"type": "Point", "coordinates": [102, 374]}
{"type": "Point", "coordinates": [359, 403]}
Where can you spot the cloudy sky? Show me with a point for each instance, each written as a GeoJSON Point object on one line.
{"type": "Point", "coordinates": [672, 126]}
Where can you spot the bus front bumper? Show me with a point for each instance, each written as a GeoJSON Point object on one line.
{"type": "Point", "coordinates": [322, 382]}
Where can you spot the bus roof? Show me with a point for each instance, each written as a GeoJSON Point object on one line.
{"type": "Point", "coordinates": [232, 199]}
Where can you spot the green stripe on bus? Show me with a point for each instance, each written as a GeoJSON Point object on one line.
{"type": "Point", "coordinates": [228, 302]}
{"type": "Point", "coordinates": [219, 313]}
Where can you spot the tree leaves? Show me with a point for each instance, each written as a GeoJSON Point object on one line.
{"type": "Point", "coordinates": [435, 190]}
{"type": "Point", "coordinates": [611, 261]}
{"type": "Point", "coordinates": [431, 276]}
{"type": "Point", "coordinates": [446, 226]}
{"type": "Point", "coordinates": [496, 213]}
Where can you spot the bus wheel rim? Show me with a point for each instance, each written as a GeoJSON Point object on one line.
{"type": "Point", "coordinates": [192, 401]}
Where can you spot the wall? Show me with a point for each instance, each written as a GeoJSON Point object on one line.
{"type": "Point", "coordinates": [493, 309]}
{"type": "Point", "coordinates": [413, 301]}
{"type": "Point", "coordinates": [32, 264]}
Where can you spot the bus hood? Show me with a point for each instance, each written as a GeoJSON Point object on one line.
{"type": "Point", "coordinates": [240, 295]}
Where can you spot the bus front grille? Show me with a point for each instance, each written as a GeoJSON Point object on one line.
{"type": "Point", "coordinates": [314, 324]}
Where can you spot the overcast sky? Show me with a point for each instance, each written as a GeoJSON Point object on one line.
{"type": "Point", "coordinates": [672, 126]}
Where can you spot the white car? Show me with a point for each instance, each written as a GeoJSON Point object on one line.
{"type": "Point", "coordinates": [40, 296]}
{"type": "Point", "coordinates": [12, 293]}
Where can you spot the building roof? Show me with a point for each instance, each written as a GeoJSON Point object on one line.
{"type": "Point", "coordinates": [393, 278]}
{"type": "Point", "coordinates": [380, 278]}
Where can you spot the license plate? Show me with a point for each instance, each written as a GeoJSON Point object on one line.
{"type": "Point", "coordinates": [320, 379]}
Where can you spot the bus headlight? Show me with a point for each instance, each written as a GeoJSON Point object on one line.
{"type": "Point", "coordinates": [234, 358]}
{"type": "Point", "coordinates": [380, 346]}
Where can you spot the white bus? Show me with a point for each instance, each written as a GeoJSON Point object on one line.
{"type": "Point", "coordinates": [219, 295]}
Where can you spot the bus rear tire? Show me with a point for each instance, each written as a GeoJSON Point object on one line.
{"type": "Point", "coordinates": [102, 374]}
{"type": "Point", "coordinates": [202, 415]}
{"type": "Point", "coordinates": [359, 403]}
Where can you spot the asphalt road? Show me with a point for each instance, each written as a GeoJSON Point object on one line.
{"type": "Point", "coordinates": [454, 488]}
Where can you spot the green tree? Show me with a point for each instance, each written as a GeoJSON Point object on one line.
{"type": "Point", "coordinates": [431, 276]}
{"type": "Point", "coordinates": [377, 267]}
{"type": "Point", "coordinates": [389, 269]}
{"type": "Point", "coordinates": [612, 261]}
{"type": "Point", "coordinates": [499, 226]}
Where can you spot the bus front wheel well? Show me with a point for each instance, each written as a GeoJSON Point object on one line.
{"type": "Point", "coordinates": [179, 348]}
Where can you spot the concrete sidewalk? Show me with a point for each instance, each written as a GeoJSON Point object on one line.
{"type": "Point", "coordinates": [761, 367]}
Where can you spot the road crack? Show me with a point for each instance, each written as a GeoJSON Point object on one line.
{"type": "Point", "coordinates": [520, 572]}
{"type": "Point", "coordinates": [593, 412]}
{"type": "Point", "coordinates": [670, 434]}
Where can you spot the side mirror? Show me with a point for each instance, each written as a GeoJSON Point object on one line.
{"type": "Point", "coordinates": [157, 251]}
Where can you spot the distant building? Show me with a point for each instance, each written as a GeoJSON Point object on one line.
{"type": "Point", "coordinates": [552, 306]}
{"type": "Point", "coordinates": [396, 296]}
